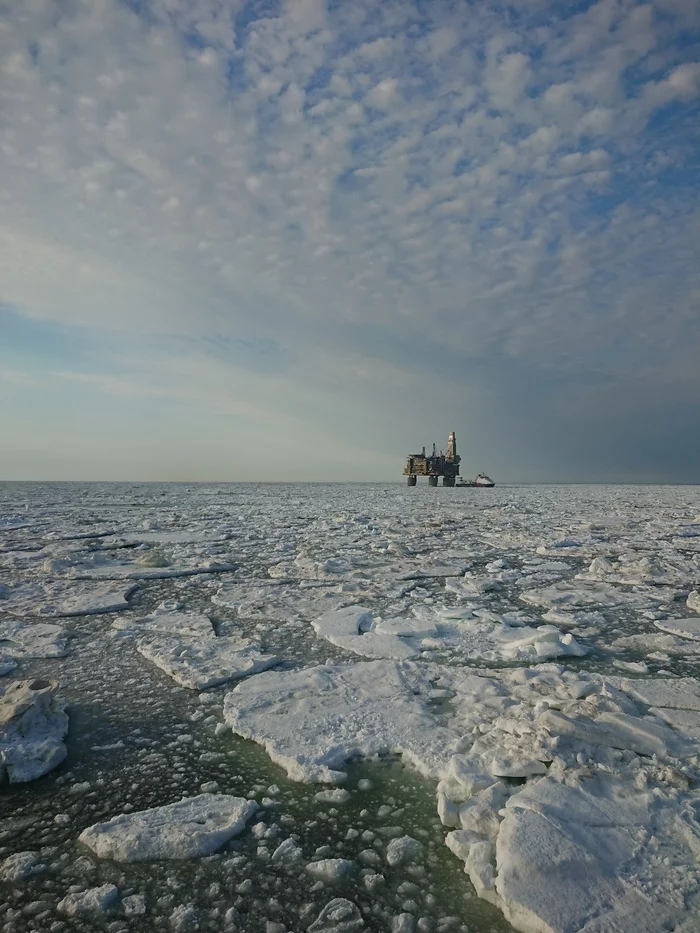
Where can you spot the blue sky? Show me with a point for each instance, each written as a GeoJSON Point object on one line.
{"type": "Point", "coordinates": [295, 240]}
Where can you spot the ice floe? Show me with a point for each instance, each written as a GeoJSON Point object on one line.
{"type": "Point", "coordinates": [33, 640]}
{"type": "Point", "coordinates": [312, 721]}
{"type": "Point", "coordinates": [33, 724]}
{"type": "Point", "coordinates": [683, 628]}
{"type": "Point", "coordinates": [167, 622]}
{"type": "Point", "coordinates": [67, 599]}
{"type": "Point", "coordinates": [202, 663]}
{"type": "Point", "coordinates": [190, 828]}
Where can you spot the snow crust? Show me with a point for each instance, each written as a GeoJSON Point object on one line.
{"type": "Point", "coordinates": [191, 828]}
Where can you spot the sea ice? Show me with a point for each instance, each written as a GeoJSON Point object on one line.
{"type": "Point", "coordinates": [163, 622]}
{"type": "Point", "coordinates": [330, 869]}
{"type": "Point", "coordinates": [203, 663]}
{"type": "Point", "coordinates": [191, 828]}
{"type": "Point", "coordinates": [20, 866]}
{"type": "Point", "coordinates": [89, 903]}
{"type": "Point", "coordinates": [97, 600]}
{"type": "Point", "coordinates": [344, 628]}
{"type": "Point", "coordinates": [312, 721]}
{"type": "Point", "coordinates": [32, 726]}
{"type": "Point", "coordinates": [33, 640]}
{"type": "Point", "coordinates": [683, 628]}
{"type": "Point", "coordinates": [338, 916]}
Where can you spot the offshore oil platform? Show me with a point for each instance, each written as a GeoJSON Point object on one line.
{"type": "Point", "coordinates": [436, 464]}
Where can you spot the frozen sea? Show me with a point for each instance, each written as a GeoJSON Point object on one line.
{"type": "Point", "coordinates": [456, 709]}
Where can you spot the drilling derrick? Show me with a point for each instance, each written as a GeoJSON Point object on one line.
{"type": "Point", "coordinates": [434, 465]}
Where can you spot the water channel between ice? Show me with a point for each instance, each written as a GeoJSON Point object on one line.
{"type": "Point", "coordinates": [137, 739]}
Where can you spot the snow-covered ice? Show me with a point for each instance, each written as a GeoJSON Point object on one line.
{"type": "Point", "coordinates": [33, 724]}
{"type": "Point", "coordinates": [187, 829]}
{"type": "Point", "coordinates": [199, 664]}
{"type": "Point", "coordinates": [312, 721]}
{"type": "Point", "coordinates": [33, 639]}
{"type": "Point", "coordinates": [684, 628]}
{"type": "Point", "coordinates": [165, 622]}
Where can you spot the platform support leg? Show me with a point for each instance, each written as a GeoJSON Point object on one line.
{"type": "Point", "coordinates": [448, 480]}
{"type": "Point", "coordinates": [410, 480]}
{"type": "Point", "coordinates": [432, 480]}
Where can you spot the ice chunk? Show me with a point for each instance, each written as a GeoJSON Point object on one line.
{"type": "Point", "coordinates": [203, 663]}
{"type": "Point", "coordinates": [20, 866]}
{"type": "Point", "coordinates": [615, 730]}
{"type": "Point", "coordinates": [512, 767]}
{"type": "Point", "coordinates": [7, 664]}
{"type": "Point", "coordinates": [333, 795]}
{"type": "Point", "coordinates": [567, 595]}
{"type": "Point", "coordinates": [338, 916]}
{"type": "Point", "coordinates": [683, 693]}
{"type": "Point", "coordinates": [330, 869]}
{"type": "Point", "coordinates": [693, 601]}
{"type": "Point", "coordinates": [287, 851]}
{"type": "Point", "coordinates": [402, 850]}
{"type": "Point", "coordinates": [567, 854]}
{"type": "Point", "coordinates": [32, 726]}
{"type": "Point", "coordinates": [311, 721]}
{"type": "Point", "coordinates": [191, 828]}
{"type": "Point", "coordinates": [89, 903]}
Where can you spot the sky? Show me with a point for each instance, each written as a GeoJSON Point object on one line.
{"type": "Point", "coordinates": [299, 239]}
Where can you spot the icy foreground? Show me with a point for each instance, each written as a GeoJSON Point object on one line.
{"type": "Point", "coordinates": [604, 834]}
{"type": "Point", "coordinates": [530, 654]}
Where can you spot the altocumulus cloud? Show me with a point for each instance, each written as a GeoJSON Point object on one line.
{"type": "Point", "coordinates": [345, 227]}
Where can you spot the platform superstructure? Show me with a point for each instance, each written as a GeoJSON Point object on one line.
{"type": "Point", "coordinates": [434, 465]}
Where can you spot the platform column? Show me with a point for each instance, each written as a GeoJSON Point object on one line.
{"type": "Point", "coordinates": [448, 480]}
{"type": "Point", "coordinates": [432, 480]}
{"type": "Point", "coordinates": [410, 480]}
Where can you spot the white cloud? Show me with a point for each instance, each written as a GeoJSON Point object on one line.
{"type": "Point", "coordinates": [301, 171]}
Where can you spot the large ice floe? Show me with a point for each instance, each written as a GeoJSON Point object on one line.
{"type": "Point", "coordinates": [33, 723]}
{"type": "Point", "coordinates": [187, 829]}
{"type": "Point", "coordinates": [569, 796]}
